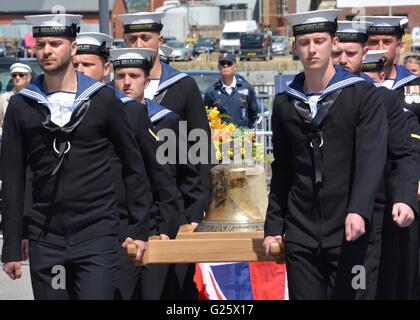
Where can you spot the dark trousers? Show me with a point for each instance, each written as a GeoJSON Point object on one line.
{"type": "Point", "coordinates": [398, 277]}
{"type": "Point", "coordinates": [83, 271]}
{"type": "Point", "coordinates": [154, 281]}
{"type": "Point", "coordinates": [344, 272]}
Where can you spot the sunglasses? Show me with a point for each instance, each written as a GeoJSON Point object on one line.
{"type": "Point", "coordinates": [226, 63]}
{"type": "Point", "coordinates": [21, 75]}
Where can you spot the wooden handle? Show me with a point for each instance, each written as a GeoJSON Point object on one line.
{"type": "Point", "coordinates": [132, 250]}
{"type": "Point", "coordinates": [275, 249]}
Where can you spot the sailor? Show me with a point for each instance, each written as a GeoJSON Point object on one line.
{"type": "Point", "coordinates": [62, 124]}
{"type": "Point", "coordinates": [386, 33]}
{"type": "Point", "coordinates": [179, 93]}
{"type": "Point", "coordinates": [396, 199]}
{"type": "Point", "coordinates": [329, 139]}
{"type": "Point", "coordinates": [92, 58]}
{"type": "Point", "coordinates": [131, 76]}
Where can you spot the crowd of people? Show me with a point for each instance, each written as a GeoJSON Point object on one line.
{"type": "Point", "coordinates": [83, 177]}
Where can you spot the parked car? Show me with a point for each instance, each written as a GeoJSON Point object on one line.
{"type": "Point", "coordinates": [182, 51]}
{"type": "Point", "coordinates": [168, 39]}
{"type": "Point", "coordinates": [118, 43]}
{"type": "Point", "coordinates": [279, 45]}
{"type": "Point", "coordinates": [204, 45]}
{"type": "Point", "coordinates": [255, 46]}
{"type": "Point", "coordinates": [5, 78]}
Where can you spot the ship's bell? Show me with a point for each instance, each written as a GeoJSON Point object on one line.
{"type": "Point", "coordinates": [239, 199]}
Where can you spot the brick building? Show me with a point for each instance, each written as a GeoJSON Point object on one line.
{"type": "Point", "coordinates": [13, 23]}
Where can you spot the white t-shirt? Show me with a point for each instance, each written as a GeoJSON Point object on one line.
{"type": "Point", "coordinates": [151, 89]}
{"type": "Point", "coordinates": [230, 88]}
{"type": "Point", "coordinates": [388, 83]}
{"type": "Point", "coordinates": [61, 107]}
{"type": "Point", "coordinates": [313, 101]}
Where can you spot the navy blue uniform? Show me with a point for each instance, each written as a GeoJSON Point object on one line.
{"type": "Point", "coordinates": [240, 105]}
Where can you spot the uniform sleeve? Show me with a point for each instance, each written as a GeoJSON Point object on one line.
{"type": "Point", "coordinates": [414, 127]}
{"type": "Point", "coordinates": [252, 107]}
{"type": "Point", "coordinates": [402, 158]}
{"type": "Point", "coordinates": [197, 119]}
{"type": "Point", "coordinates": [371, 136]}
{"type": "Point", "coordinates": [13, 167]}
{"type": "Point", "coordinates": [161, 179]}
{"type": "Point", "coordinates": [280, 178]}
{"type": "Point", "coordinates": [139, 196]}
{"type": "Point", "coordinates": [188, 182]}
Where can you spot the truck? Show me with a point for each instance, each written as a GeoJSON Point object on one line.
{"type": "Point", "coordinates": [255, 46]}
{"type": "Point", "coordinates": [232, 32]}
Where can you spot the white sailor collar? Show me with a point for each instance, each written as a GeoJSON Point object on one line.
{"type": "Point", "coordinates": [404, 76]}
{"type": "Point", "coordinates": [340, 80]}
{"type": "Point", "coordinates": [155, 111]}
{"type": "Point", "coordinates": [86, 87]}
{"type": "Point", "coordinates": [169, 77]}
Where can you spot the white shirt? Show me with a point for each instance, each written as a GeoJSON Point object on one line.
{"type": "Point", "coordinates": [388, 83]}
{"type": "Point", "coordinates": [313, 101]}
{"type": "Point", "coordinates": [230, 88]}
{"type": "Point", "coordinates": [61, 107]}
{"type": "Point", "coordinates": [151, 89]}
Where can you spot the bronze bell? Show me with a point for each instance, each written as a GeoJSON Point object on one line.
{"type": "Point", "coordinates": [239, 199]}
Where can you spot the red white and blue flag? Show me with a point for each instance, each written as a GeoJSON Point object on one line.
{"type": "Point", "coordinates": [241, 281]}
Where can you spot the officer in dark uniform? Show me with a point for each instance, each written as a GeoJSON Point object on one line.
{"type": "Point", "coordinates": [62, 125]}
{"type": "Point", "coordinates": [179, 93]}
{"type": "Point", "coordinates": [232, 95]}
{"type": "Point", "coordinates": [386, 33]}
{"type": "Point", "coordinates": [329, 144]}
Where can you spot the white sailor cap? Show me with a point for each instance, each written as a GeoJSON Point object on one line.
{"type": "Point", "coordinates": [352, 31]}
{"type": "Point", "coordinates": [313, 21]}
{"type": "Point", "coordinates": [374, 61]}
{"type": "Point", "coordinates": [132, 58]}
{"type": "Point", "coordinates": [51, 25]}
{"type": "Point", "coordinates": [20, 67]}
{"type": "Point", "coordinates": [94, 43]}
{"type": "Point", "coordinates": [142, 21]}
{"type": "Point", "coordinates": [386, 25]}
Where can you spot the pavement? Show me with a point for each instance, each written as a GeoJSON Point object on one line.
{"type": "Point", "coordinates": [19, 289]}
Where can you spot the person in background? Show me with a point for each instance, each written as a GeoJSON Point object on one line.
{"type": "Point", "coordinates": [412, 63]}
{"type": "Point", "coordinates": [232, 95]}
{"type": "Point", "coordinates": [21, 76]}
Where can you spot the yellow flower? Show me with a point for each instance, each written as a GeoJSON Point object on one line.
{"type": "Point", "coordinates": [230, 128]}
{"type": "Point", "coordinates": [213, 114]}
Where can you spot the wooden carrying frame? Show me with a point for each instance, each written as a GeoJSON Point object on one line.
{"type": "Point", "coordinates": [191, 247]}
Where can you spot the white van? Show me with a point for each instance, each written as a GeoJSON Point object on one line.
{"type": "Point", "coordinates": [232, 32]}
